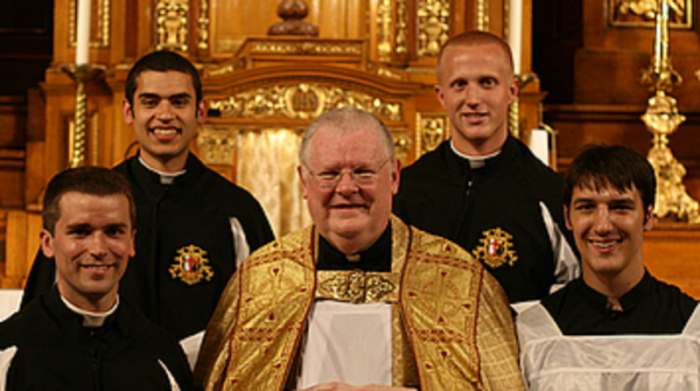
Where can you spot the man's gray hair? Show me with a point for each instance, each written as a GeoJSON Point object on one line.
{"type": "Point", "coordinates": [346, 120]}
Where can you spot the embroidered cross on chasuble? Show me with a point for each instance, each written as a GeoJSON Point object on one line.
{"type": "Point", "coordinates": [451, 325]}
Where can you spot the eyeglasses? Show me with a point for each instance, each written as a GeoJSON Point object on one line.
{"type": "Point", "coordinates": [362, 176]}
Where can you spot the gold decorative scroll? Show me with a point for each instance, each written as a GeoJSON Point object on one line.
{"type": "Point", "coordinates": [381, 71]}
{"type": "Point", "coordinates": [217, 146]}
{"type": "Point", "coordinates": [402, 145]}
{"type": "Point", "coordinates": [99, 38]}
{"type": "Point", "coordinates": [642, 13]}
{"type": "Point", "coordinates": [385, 10]}
{"type": "Point", "coordinates": [357, 286]}
{"type": "Point", "coordinates": [302, 101]}
{"type": "Point", "coordinates": [433, 27]}
{"type": "Point", "coordinates": [482, 15]}
{"type": "Point", "coordinates": [172, 24]}
{"type": "Point", "coordinates": [307, 47]}
{"type": "Point", "coordinates": [401, 27]}
{"type": "Point", "coordinates": [203, 25]}
{"type": "Point", "coordinates": [431, 130]}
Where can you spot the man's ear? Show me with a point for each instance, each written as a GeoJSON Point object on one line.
{"type": "Point", "coordinates": [440, 95]}
{"type": "Point", "coordinates": [395, 175]}
{"type": "Point", "coordinates": [649, 218]}
{"type": "Point", "coordinates": [513, 89]}
{"type": "Point", "coordinates": [127, 112]}
{"type": "Point", "coordinates": [132, 253]}
{"type": "Point", "coordinates": [302, 178]}
{"type": "Point", "coordinates": [202, 111]}
{"type": "Point", "coordinates": [566, 218]}
{"type": "Point", "coordinates": [47, 245]}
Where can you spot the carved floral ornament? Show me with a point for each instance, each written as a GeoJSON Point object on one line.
{"type": "Point", "coordinates": [171, 21]}
{"type": "Point", "coordinates": [434, 16]}
{"type": "Point", "coordinates": [636, 13]}
{"type": "Point", "coordinates": [302, 101]}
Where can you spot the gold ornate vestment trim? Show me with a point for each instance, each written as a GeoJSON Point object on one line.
{"type": "Point", "coordinates": [270, 297]}
{"type": "Point", "coordinates": [433, 26]}
{"type": "Point", "coordinates": [357, 286]}
{"type": "Point", "coordinates": [103, 24]}
{"type": "Point", "coordinates": [302, 101]}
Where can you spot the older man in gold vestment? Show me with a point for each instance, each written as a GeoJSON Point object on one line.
{"type": "Point", "coordinates": [359, 300]}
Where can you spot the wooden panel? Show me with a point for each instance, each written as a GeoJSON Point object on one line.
{"type": "Point", "coordinates": [11, 177]}
{"type": "Point", "coordinates": [234, 20]}
{"type": "Point", "coordinates": [611, 59]}
{"type": "Point", "coordinates": [25, 44]}
{"type": "Point", "coordinates": [22, 233]}
{"type": "Point", "coordinates": [672, 254]}
{"type": "Point", "coordinates": [579, 125]}
{"type": "Point", "coordinates": [16, 249]}
{"type": "Point", "coordinates": [13, 121]}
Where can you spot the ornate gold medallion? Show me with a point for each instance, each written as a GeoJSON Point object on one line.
{"type": "Point", "coordinates": [190, 265]}
{"type": "Point", "coordinates": [496, 248]}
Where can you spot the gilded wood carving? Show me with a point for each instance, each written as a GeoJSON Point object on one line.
{"type": "Point", "coordinates": [641, 13]}
{"type": "Point", "coordinates": [172, 24]}
{"type": "Point", "coordinates": [434, 27]}
{"type": "Point", "coordinates": [302, 101]}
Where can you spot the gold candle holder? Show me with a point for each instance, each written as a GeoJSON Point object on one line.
{"type": "Point", "coordinates": [81, 74]}
{"type": "Point", "coordinates": [662, 118]}
{"type": "Point", "coordinates": [514, 109]}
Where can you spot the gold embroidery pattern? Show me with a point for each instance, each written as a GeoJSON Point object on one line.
{"type": "Point", "coordinates": [356, 286]}
{"type": "Point", "coordinates": [277, 285]}
{"type": "Point", "coordinates": [440, 299]}
{"type": "Point", "coordinates": [191, 266]}
{"type": "Point", "coordinates": [496, 248]}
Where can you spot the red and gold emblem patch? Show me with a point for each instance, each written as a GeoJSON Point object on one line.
{"type": "Point", "coordinates": [496, 248]}
{"type": "Point", "coordinates": [190, 265]}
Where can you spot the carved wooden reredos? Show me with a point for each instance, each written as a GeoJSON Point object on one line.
{"type": "Point", "coordinates": [375, 54]}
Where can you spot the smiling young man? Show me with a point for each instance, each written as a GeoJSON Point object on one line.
{"type": "Point", "coordinates": [359, 300]}
{"type": "Point", "coordinates": [483, 188]}
{"type": "Point", "coordinates": [195, 227]}
{"type": "Point", "coordinates": [617, 327]}
{"type": "Point", "coordinates": [81, 335]}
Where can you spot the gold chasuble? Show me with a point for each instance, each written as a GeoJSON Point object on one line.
{"type": "Point", "coordinates": [452, 328]}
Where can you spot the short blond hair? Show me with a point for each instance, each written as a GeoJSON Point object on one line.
{"type": "Point", "coordinates": [473, 38]}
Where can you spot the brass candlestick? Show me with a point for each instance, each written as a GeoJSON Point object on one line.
{"type": "Point", "coordinates": [514, 109]}
{"type": "Point", "coordinates": [81, 74]}
{"type": "Point", "coordinates": [662, 118]}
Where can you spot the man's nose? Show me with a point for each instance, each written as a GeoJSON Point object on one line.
{"type": "Point", "coordinates": [97, 245]}
{"type": "Point", "coordinates": [472, 95]}
{"type": "Point", "coordinates": [602, 223]}
{"type": "Point", "coordinates": [346, 185]}
{"type": "Point", "coordinates": [165, 111]}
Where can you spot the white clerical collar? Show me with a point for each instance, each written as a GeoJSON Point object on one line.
{"type": "Point", "coordinates": [474, 162]}
{"type": "Point", "coordinates": [166, 178]}
{"type": "Point", "coordinates": [90, 318]}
